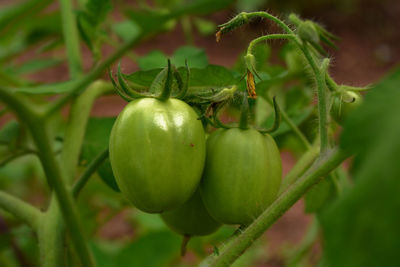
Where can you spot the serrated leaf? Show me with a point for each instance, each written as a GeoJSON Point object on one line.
{"type": "Point", "coordinates": [362, 227]}
{"type": "Point", "coordinates": [96, 140]}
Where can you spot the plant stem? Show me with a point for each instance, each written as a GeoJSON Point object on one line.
{"type": "Point", "coordinates": [238, 245]}
{"type": "Point", "coordinates": [87, 79]}
{"type": "Point", "coordinates": [91, 168]}
{"type": "Point", "coordinates": [322, 99]}
{"type": "Point", "coordinates": [270, 17]}
{"type": "Point", "coordinates": [71, 38]}
{"type": "Point", "coordinates": [54, 176]}
{"type": "Point", "coordinates": [21, 210]}
{"type": "Point", "coordinates": [244, 113]}
{"type": "Point", "coordinates": [290, 123]}
{"type": "Point", "coordinates": [300, 167]}
{"type": "Point", "coordinates": [75, 130]}
{"type": "Point", "coordinates": [268, 37]}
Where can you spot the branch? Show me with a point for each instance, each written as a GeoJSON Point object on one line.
{"type": "Point", "coordinates": [21, 209]}
{"type": "Point", "coordinates": [91, 76]}
{"type": "Point", "coordinates": [237, 246]}
{"type": "Point", "coordinates": [71, 38]}
{"type": "Point", "coordinates": [91, 168]}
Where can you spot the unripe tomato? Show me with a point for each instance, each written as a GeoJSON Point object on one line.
{"type": "Point", "coordinates": [242, 175]}
{"type": "Point", "coordinates": [191, 218]}
{"type": "Point", "coordinates": [344, 104]}
{"type": "Point", "coordinates": [157, 153]}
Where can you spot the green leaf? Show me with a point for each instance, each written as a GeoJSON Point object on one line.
{"type": "Point", "coordinates": [126, 30]}
{"type": "Point", "coordinates": [362, 227]}
{"type": "Point", "coordinates": [320, 195]}
{"type": "Point", "coordinates": [36, 65]}
{"type": "Point", "coordinates": [48, 89]}
{"type": "Point", "coordinates": [200, 78]}
{"type": "Point", "coordinates": [153, 60]}
{"type": "Point", "coordinates": [155, 249]}
{"type": "Point", "coordinates": [9, 132]}
{"type": "Point", "coordinates": [205, 27]}
{"type": "Point", "coordinates": [96, 140]}
{"type": "Point", "coordinates": [195, 57]}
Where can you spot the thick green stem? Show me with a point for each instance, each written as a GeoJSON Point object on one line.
{"type": "Point", "coordinates": [300, 167]}
{"type": "Point", "coordinates": [238, 245]}
{"type": "Point", "coordinates": [21, 210]}
{"type": "Point", "coordinates": [91, 168]}
{"type": "Point", "coordinates": [75, 131]}
{"type": "Point", "coordinates": [51, 237]}
{"type": "Point", "coordinates": [51, 168]}
{"type": "Point", "coordinates": [71, 38]}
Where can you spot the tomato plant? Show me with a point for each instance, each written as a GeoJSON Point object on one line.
{"type": "Point", "coordinates": [59, 134]}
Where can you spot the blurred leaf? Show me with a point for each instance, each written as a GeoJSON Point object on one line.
{"type": "Point", "coordinates": [126, 30]}
{"type": "Point", "coordinates": [196, 57]}
{"type": "Point", "coordinates": [36, 65]}
{"type": "Point", "coordinates": [153, 60]}
{"type": "Point", "coordinates": [48, 89]}
{"type": "Point", "coordinates": [249, 5]}
{"type": "Point", "coordinates": [362, 227]}
{"type": "Point", "coordinates": [204, 26]}
{"type": "Point", "coordinates": [320, 195]}
{"type": "Point", "coordinates": [90, 19]}
{"type": "Point", "coordinates": [9, 132]}
{"type": "Point", "coordinates": [155, 249]}
{"type": "Point", "coordinates": [96, 140]}
{"type": "Point", "coordinates": [151, 20]}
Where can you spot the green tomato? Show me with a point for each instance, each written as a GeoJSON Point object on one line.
{"type": "Point", "coordinates": [157, 153]}
{"type": "Point", "coordinates": [242, 175]}
{"type": "Point", "coordinates": [191, 218]}
{"type": "Point", "coordinates": [344, 104]}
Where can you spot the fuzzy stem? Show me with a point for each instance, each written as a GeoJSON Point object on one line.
{"type": "Point", "coordinates": [270, 17]}
{"type": "Point", "coordinates": [322, 99]}
{"type": "Point", "coordinates": [254, 42]}
{"type": "Point", "coordinates": [238, 245]}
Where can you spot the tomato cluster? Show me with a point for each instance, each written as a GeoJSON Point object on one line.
{"type": "Point", "coordinates": [163, 164]}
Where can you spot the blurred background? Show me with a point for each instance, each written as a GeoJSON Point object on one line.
{"type": "Point", "coordinates": [368, 48]}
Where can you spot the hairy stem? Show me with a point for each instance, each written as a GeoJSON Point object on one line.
{"type": "Point", "coordinates": [268, 37]}
{"type": "Point", "coordinates": [21, 210]}
{"type": "Point", "coordinates": [71, 38]}
{"type": "Point", "coordinates": [91, 168]}
{"type": "Point", "coordinates": [322, 99]}
{"type": "Point", "coordinates": [238, 245]}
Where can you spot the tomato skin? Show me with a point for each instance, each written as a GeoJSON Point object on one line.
{"type": "Point", "coordinates": [344, 104]}
{"type": "Point", "coordinates": [242, 175]}
{"type": "Point", "coordinates": [191, 218]}
{"type": "Point", "coordinates": [157, 153]}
